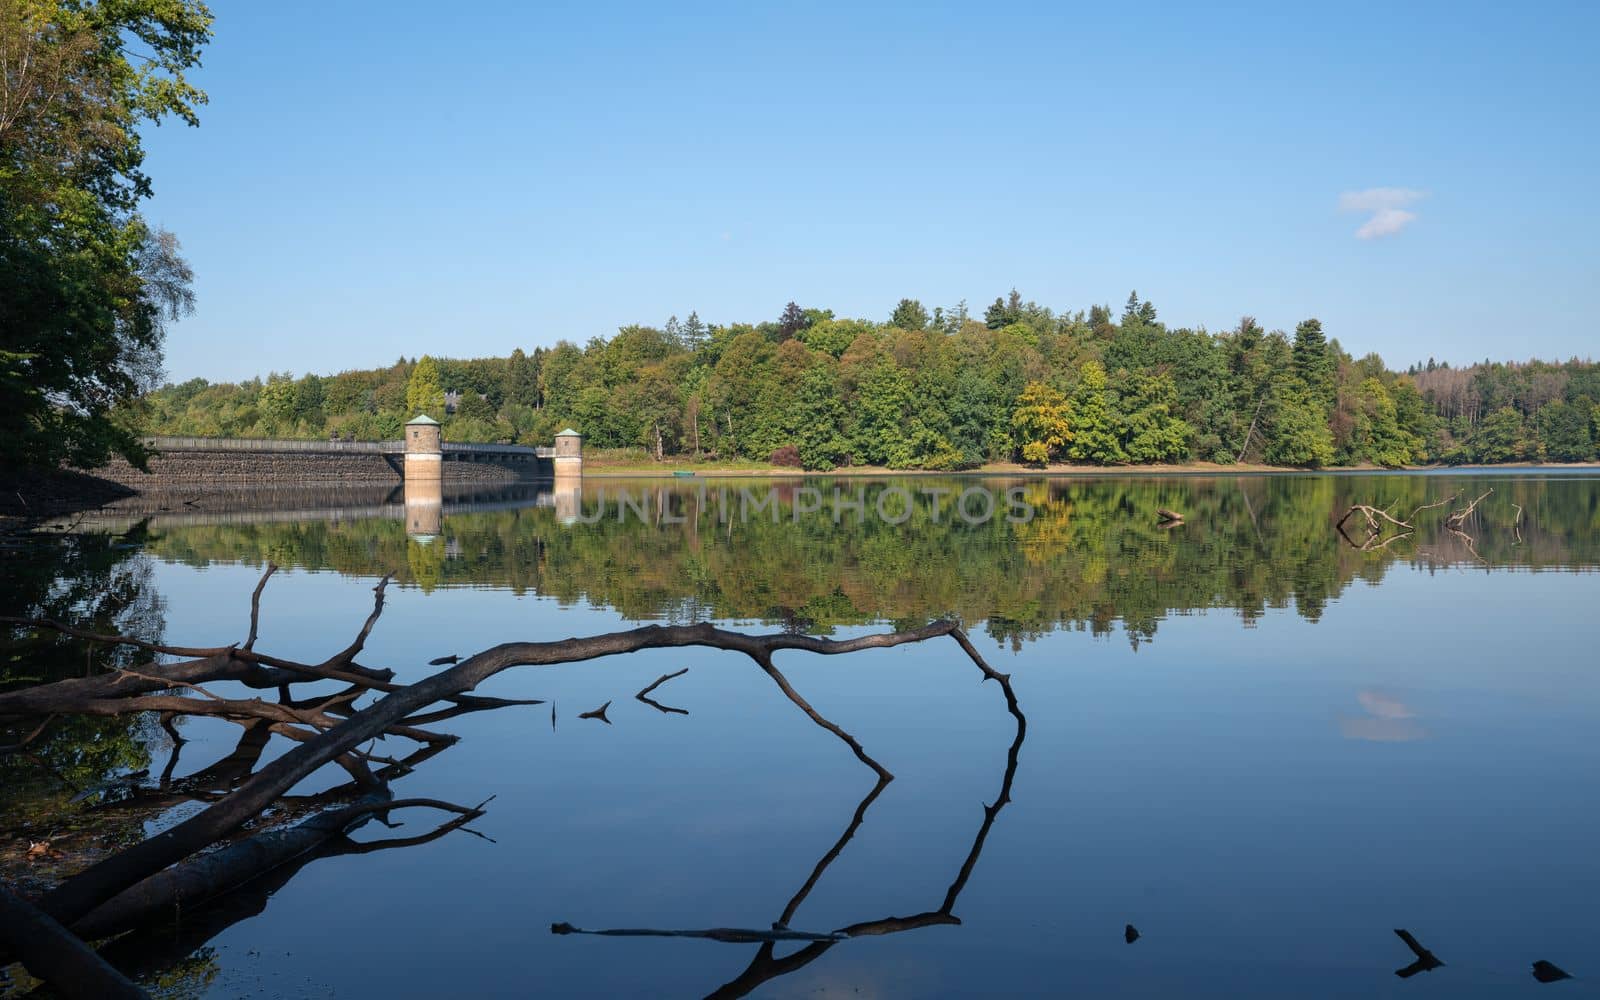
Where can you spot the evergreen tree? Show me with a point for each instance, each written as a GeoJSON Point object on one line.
{"type": "Point", "coordinates": [791, 321]}
{"type": "Point", "coordinates": [1004, 312]}
{"type": "Point", "coordinates": [693, 333]}
{"type": "Point", "coordinates": [909, 315]}
{"type": "Point", "coordinates": [1130, 310]}
{"type": "Point", "coordinates": [1313, 363]}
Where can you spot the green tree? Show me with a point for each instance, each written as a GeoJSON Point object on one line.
{"type": "Point", "coordinates": [86, 286]}
{"type": "Point", "coordinates": [1004, 311]}
{"type": "Point", "coordinates": [834, 336]}
{"type": "Point", "coordinates": [279, 399]}
{"type": "Point", "coordinates": [1151, 430]}
{"type": "Point", "coordinates": [693, 333]}
{"type": "Point", "coordinates": [424, 395]}
{"type": "Point", "coordinates": [883, 403]}
{"type": "Point", "coordinates": [1564, 433]}
{"type": "Point", "coordinates": [1095, 421]}
{"type": "Point", "coordinates": [1377, 436]}
{"type": "Point", "coordinates": [820, 435]}
{"type": "Point", "coordinates": [520, 383]}
{"type": "Point", "coordinates": [977, 418]}
{"type": "Point", "coordinates": [1300, 434]}
{"type": "Point", "coordinates": [1500, 437]}
{"type": "Point", "coordinates": [1313, 363]}
{"type": "Point", "coordinates": [909, 315]}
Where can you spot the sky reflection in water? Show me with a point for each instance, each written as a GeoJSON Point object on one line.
{"type": "Point", "coordinates": [1396, 739]}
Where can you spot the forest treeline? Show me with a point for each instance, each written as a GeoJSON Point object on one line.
{"type": "Point", "coordinates": [941, 390]}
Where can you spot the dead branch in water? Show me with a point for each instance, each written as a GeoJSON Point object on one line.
{"type": "Point", "coordinates": [1452, 498]}
{"type": "Point", "coordinates": [1455, 519]}
{"type": "Point", "coordinates": [644, 695]}
{"type": "Point", "coordinates": [1378, 519]}
{"type": "Point", "coordinates": [1372, 514]}
{"type": "Point", "coordinates": [175, 866]}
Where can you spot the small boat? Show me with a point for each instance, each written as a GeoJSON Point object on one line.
{"type": "Point", "coordinates": [683, 474]}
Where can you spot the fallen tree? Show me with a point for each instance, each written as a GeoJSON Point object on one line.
{"type": "Point", "coordinates": [179, 867]}
{"type": "Point", "coordinates": [1385, 529]}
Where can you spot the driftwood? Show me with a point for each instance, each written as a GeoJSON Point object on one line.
{"type": "Point", "coordinates": [1380, 521]}
{"type": "Point", "coordinates": [644, 695]}
{"type": "Point", "coordinates": [142, 884]}
{"type": "Point", "coordinates": [1166, 516]}
{"type": "Point", "coordinates": [1456, 519]}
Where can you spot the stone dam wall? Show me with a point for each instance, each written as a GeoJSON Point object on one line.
{"type": "Point", "coordinates": [246, 463]}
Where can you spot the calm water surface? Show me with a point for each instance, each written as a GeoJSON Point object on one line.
{"type": "Point", "coordinates": [1258, 743]}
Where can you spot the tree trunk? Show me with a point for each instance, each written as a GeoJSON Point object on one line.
{"type": "Point", "coordinates": [57, 956]}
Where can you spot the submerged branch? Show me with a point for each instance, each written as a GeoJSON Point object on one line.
{"type": "Point", "coordinates": [255, 605]}
{"type": "Point", "coordinates": [644, 695]}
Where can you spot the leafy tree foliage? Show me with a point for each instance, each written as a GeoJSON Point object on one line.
{"type": "Point", "coordinates": [1500, 438]}
{"type": "Point", "coordinates": [86, 286]}
{"type": "Point", "coordinates": [1151, 430]}
{"type": "Point", "coordinates": [424, 394]}
{"type": "Point", "coordinates": [1564, 433]}
{"type": "Point", "coordinates": [1095, 435]}
{"type": "Point", "coordinates": [942, 391]}
{"type": "Point", "coordinates": [1042, 422]}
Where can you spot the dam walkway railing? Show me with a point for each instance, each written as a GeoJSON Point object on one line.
{"type": "Point", "coordinates": [297, 447]}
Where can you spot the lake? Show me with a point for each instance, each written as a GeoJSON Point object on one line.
{"type": "Point", "coordinates": [1263, 739]}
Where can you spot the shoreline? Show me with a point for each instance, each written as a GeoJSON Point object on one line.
{"type": "Point", "coordinates": [28, 499]}
{"type": "Point", "coordinates": [664, 470]}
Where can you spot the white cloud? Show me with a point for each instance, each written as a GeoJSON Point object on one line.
{"type": "Point", "coordinates": [1385, 208]}
{"type": "Point", "coordinates": [1385, 222]}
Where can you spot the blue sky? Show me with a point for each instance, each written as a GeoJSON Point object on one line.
{"type": "Point", "coordinates": [372, 180]}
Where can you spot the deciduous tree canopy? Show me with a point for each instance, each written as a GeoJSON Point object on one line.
{"type": "Point", "coordinates": [941, 391]}
{"type": "Point", "coordinates": [85, 284]}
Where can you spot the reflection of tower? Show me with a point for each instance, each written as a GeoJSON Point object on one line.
{"type": "Point", "coordinates": [568, 462]}
{"type": "Point", "coordinates": [424, 507]}
{"type": "Point", "coordinates": [424, 451]}
{"type": "Point", "coordinates": [568, 495]}
{"type": "Point", "coordinates": [568, 459]}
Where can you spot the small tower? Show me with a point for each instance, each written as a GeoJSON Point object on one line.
{"type": "Point", "coordinates": [424, 450]}
{"type": "Point", "coordinates": [568, 459]}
